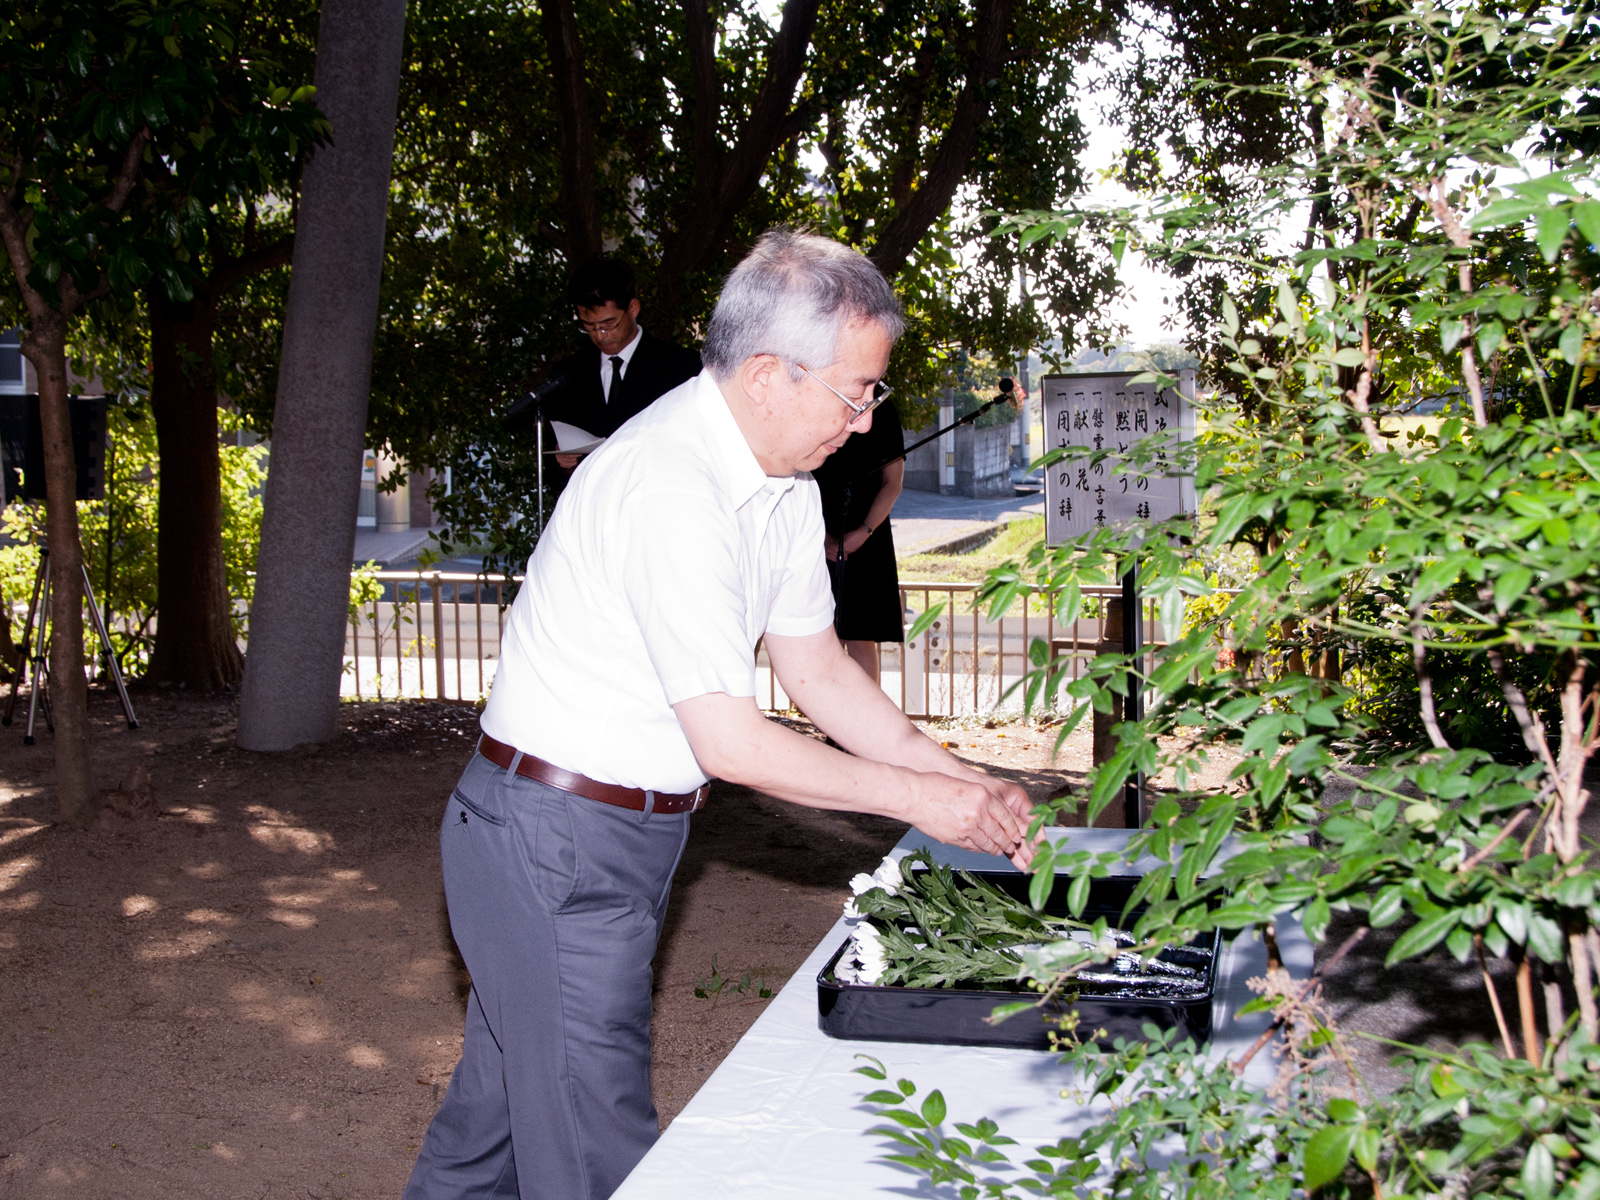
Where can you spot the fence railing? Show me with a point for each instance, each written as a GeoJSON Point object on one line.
{"type": "Point", "coordinates": [428, 635]}
{"type": "Point", "coordinates": [436, 635]}
{"type": "Point", "coordinates": [968, 660]}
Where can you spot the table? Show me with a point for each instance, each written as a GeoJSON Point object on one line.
{"type": "Point", "coordinates": [782, 1115]}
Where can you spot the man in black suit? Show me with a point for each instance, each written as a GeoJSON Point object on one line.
{"type": "Point", "coordinates": [625, 368]}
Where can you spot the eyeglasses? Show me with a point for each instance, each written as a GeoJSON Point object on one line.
{"type": "Point", "coordinates": [606, 326]}
{"type": "Point", "coordinates": [880, 393]}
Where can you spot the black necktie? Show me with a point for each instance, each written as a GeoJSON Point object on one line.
{"type": "Point", "coordinates": [616, 378]}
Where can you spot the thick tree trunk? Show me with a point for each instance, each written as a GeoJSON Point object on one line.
{"type": "Point", "coordinates": [45, 344]}
{"type": "Point", "coordinates": [195, 647]}
{"type": "Point", "coordinates": [297, 623]}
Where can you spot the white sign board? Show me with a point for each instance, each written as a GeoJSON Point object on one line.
{"type": "Point", "coordinates": [1107, 412]}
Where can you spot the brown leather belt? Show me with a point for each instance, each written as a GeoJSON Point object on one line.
{"type": "Point", "coordinates": [638, 799]}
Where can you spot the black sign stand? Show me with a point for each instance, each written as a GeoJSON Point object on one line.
{"type": "Point", "coordinates": [1133, 687]}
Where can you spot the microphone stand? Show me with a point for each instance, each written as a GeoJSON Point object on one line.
{"type": "Point", "coordinates": [1007, 389]}
{"type": "Point", "coordinates": [1005, 394]}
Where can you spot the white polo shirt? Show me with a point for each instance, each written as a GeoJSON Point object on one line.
{"type": "Point", "coordinates": [670, 553]}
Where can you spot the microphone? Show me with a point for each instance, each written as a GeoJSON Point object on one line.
{"type": "Point", "coordinates": [528, 406]}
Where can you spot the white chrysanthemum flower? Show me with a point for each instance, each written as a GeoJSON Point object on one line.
{"type": "Point", "coordinates": [869, 953]}
{"type": "Point", "coordinates": [888, 876]}
{"type": "Point", "coordinates": [851, 912]}
{"type": "Point", "coordinates": [862, 883]}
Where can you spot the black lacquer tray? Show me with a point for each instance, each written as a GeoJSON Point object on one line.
{"type": "Point", "coordinates": [955, 1016]}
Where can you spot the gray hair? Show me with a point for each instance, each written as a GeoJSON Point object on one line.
{"type": "Point", "coordinates": [790, 297]}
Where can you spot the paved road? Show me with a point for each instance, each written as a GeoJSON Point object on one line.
{"type": "Point", "coordinates": [924, 520]}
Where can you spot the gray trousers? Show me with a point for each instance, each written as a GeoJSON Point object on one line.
{"type": "Point", "coordinates": [556, 903]}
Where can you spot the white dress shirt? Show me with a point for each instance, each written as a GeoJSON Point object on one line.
{"type": "Point", "coordinates": [669, 555]}
{"type": "Point", "coordinates": [607, 366]}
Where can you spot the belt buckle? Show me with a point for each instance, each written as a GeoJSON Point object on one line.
{"type": "Point", "coordinates": [700, 794]}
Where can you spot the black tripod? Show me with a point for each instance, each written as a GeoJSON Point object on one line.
{"type": "Point", "coordinates": [35, 652]}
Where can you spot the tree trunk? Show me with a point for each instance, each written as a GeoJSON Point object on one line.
{"type": "Point", "coordinates": [45, 344]}
{"type": "Point", "coordinates": [580, 208]}
{"type": "Point", "coordinates": [297, 623]}
{"type": "Point", "coordinates": [195, 647]}
{"type": "Point", "coordinates": [9, 650]}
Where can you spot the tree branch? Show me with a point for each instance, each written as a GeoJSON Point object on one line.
{"type": "Point", "coordinates": [704, 224]}
{"type": "Point", "coordinates": [992, 29]}
{"type": "Point", "coordinates": [702, 42]}
{"type": "Point", "coordinates": [230, 271]}
{"type": "Point", "coordinates": [1529, 722]}
{"type": "Point", "coordinates": [575, 126]}
{"type": "Point", "coordinates": [1419, 664]}
{"type": "Point", "coordinates": [1462, 240]}
{"type": "Point", "coordinates": [14, 233]}
{"type": "Point", "coordinates": [132, 160]}
{"type": "Point", "coordinates": [1495, 843]}
{"type": "Point", "coordinates": [1494, 1000]}
{"type": "Point", "coordinates": [1334, 960]}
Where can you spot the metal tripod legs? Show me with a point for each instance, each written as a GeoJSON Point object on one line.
{"type": "Point", "coordinates": [35, 653]}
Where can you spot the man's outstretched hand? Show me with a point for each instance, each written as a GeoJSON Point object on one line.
{"type": "Point", "coordinates": [990, 817]}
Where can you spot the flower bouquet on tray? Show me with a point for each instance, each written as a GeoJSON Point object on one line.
{"type": "Point", "coordinates": [935, 955]}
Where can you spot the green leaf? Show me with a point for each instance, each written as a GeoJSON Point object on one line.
{"type": "Point", "coordinates": [1553, 225]}
{"type": "Point", "coordinates": [1367, 1144]}
{"type": "Point", "coordinates": [1544, 937]}
{"type": "Point", "coordinates": [1423, 936]}
{"type": "Point", "coordinates": [1513, 582]}
{"type": "Point", "coordinates": [1571, 343]}
{"type": "Point", "coordinates": [1490, 335]}
{"type": "Point", "coordinates": [1505, 212]}
{"type": "Point", "coordinates": [1343, 1110]}
{"type": "Point", "coordinates": [1004, 1012]}
{"type": "Point", "coordinates": [1042, 884]}
{"type": "Point", "coordinates": [1350, 356]}
{"type": "Point", "coordinates": [1078, 895]}
{"type": "Point", "coordinates": [1538, 1172]}
{"type": "Point", "coordinates": [1326, 1154]}
{"type": "Point", "coordinates": [1387, 907]}
{"type": "Point", "coordinates": [923, 622]}
{"type": "Point", "coordinates": [1230, 314]}
{"type": "Point", "coordinates": [933, 1108]}
{"type": "Point", "coordinates": [1586, 213]}
{"type": "Point", "coordinates": [1445, 1084]}
{"type": "Point", "coordinates": [909, 1120]}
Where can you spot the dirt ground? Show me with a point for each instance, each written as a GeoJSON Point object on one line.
{"type": "Point", "coordinates": [254, 993]}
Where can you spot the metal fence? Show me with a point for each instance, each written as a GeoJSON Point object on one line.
{"type": "Point", "coordinates": [436, 635]}
{"type": "Point", "coordinates": [969, 662]}
{"type": "Point", "coordinates": [427, 635]}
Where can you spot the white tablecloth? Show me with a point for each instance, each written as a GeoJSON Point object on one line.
{"type": "Point", "coordinates": [782, 1115]}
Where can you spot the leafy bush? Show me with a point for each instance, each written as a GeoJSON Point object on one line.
{"type": "Point", "coordinates": [1468, 551]}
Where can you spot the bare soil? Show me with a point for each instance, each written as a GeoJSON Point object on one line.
{"type": "Point", "coordinates": [241, 982]}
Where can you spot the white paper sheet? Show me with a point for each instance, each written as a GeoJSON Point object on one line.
{"type": "Point", "coordinates": [782, 1115]}
{"type": "Point", "coordinates": [572, 440]}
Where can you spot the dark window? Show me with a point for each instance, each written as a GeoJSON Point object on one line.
{"type": "Point", "coordinates": [11, 361]}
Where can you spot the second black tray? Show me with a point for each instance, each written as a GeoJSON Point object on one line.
{"type": "Point", "coordinates": [955, 1016]}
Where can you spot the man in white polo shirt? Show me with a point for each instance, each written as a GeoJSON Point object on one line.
{"type": "Point", "coordinates": [626, 679]}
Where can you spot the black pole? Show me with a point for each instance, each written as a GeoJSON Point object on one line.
{"type": "Point", "coordinates": [1007, 386]}
{"type": "Point", "coordinates": [1132, 701]}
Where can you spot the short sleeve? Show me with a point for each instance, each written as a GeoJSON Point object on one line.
{"type": "Point", "coordinates": [804, 604]}
{"type": "Point", "coordinates": [681, 582]}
